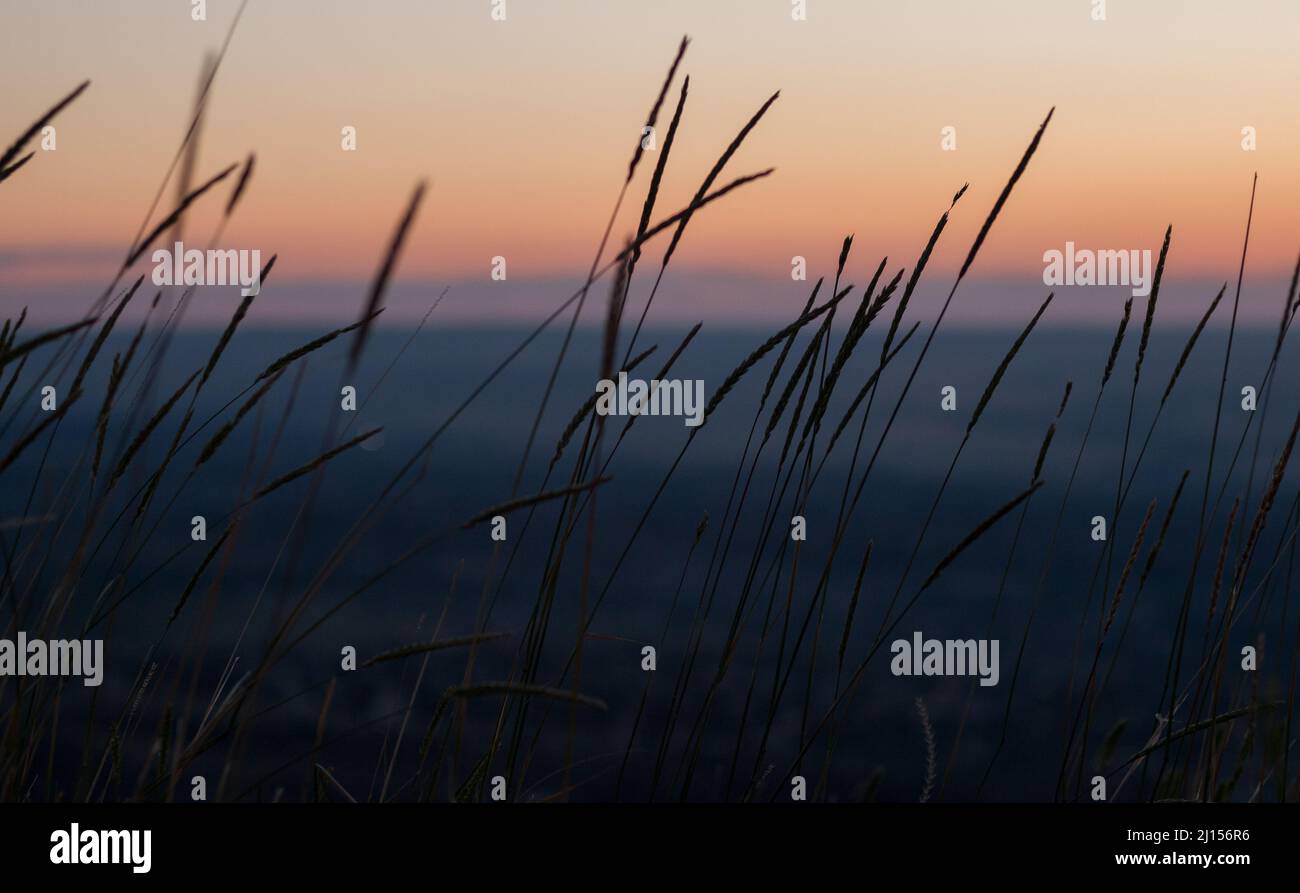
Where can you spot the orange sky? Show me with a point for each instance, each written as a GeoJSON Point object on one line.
{"type": "Point", "coordinates": [524, 128]}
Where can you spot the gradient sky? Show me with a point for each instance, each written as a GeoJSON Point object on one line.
{"type": "Point", "coordinates": [524, 128]}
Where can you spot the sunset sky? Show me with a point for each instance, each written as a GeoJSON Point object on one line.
{"type": "Point", "coordinates": [524, 128]}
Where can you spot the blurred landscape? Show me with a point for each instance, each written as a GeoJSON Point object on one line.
{"type": "Point", "coordinates": [881, 743]}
